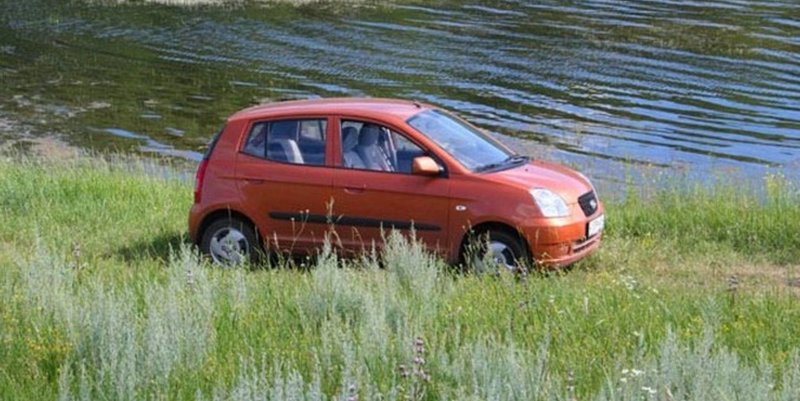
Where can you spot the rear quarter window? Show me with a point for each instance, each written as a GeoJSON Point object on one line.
{"type": "Point", "coordinates": [256, 144]}
{"type": "Point", "coordinates": [213, 143]}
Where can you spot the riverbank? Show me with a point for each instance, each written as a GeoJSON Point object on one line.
{"type": "Point", "coordinates": [693, 295]}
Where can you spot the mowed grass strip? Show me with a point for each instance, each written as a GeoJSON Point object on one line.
{"type": "Point", "coordinates": [102, 299]}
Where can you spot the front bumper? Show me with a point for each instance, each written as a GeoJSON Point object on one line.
{"type": "Point", "coordinates": [556, 243]}
{"type": "Point", "coordinates": [567, 254]}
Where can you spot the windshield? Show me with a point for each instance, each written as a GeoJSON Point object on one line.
{"type": "Point", "coordinates": [470, 147]}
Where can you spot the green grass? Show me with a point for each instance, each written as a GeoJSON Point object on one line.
{"type": "Point", "coordinates": [101, 299]}
{"type": "Point", "coordinates": [730, 214]}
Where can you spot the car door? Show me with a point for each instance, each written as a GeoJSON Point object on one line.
{"type": "Point", "coordinates": [285, 178]}
{"type": "Point", "coordinates": [374, 190]}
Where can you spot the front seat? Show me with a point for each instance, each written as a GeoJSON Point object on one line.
{"type": "Point", "coordinates": [281, 144]}
{"type": "Point", "coordinates": [350, 157]}
{"type": "Point", "coordinates": [371, 153]}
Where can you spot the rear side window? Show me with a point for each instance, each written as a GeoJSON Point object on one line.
{"type": "Point", "coordinates": [288, 141]}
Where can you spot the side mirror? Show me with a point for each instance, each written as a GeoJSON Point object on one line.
{"type": "Point", "coordinates": [425, 165]}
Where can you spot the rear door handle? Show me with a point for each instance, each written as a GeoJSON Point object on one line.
{"type": "Point", "coordinates": [355, 190]}
{"type": "Point", "coordinates": [254, 181]}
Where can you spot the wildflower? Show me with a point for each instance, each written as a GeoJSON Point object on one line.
{"type": "Point", "coordinates": [419, 346]}
{"type": "Point", "coordinates": [733, 283]}
{"type": "Point", "coordinates": [571, 385]}
{"type": "Point", "coordinates": [189, 278]}
{"type": "Point", "coordinates": [351, 391]}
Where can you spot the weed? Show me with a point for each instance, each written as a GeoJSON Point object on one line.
{"type": "Point", "coordinates": [687, 298]}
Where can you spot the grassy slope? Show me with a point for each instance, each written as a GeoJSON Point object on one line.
{"type": "Point", "coordinates": [101, 300]}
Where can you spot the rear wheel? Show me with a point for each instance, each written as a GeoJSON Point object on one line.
{"type": "Point", "coordinates": [231, 241]}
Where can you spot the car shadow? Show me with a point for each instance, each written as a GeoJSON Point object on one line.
{"type": "Point", "coordinates": [159, 247]}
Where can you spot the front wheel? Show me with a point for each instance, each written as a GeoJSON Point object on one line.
{"type": "Point", "coordinates": [230, 241]}
{"type": "Point", "coordinates": [494, 248]}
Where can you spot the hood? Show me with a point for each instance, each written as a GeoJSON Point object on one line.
{"type": "Point", "coordinates": [538, 174]}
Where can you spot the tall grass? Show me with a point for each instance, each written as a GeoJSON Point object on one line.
{"type": "Point", "coordinates": [763, 220]}
{"type": "Point", "coordinates": [103, 300]}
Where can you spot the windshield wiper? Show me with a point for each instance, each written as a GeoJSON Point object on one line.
{"type": "Point", "coordinates": [511, 160]}
{"type": "Point", "coordinates": [514, 159]}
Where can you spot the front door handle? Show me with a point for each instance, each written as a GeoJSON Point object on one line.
{"type": "Point", "coordinates": [254, 181]}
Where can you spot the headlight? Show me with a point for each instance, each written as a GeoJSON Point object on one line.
{"type": "Point", "coordinates": [549, 203]}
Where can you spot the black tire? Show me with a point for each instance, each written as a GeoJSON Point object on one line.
{"type": "Point", "coordinates": [237, 242]}
{"type": "Point", "coordinates": [514, 255]}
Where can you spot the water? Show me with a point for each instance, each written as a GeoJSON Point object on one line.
{"type": "Point", "coordinates": [692, 87]}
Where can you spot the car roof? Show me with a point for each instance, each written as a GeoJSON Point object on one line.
{"type": "Point", "coordinates": [367, 107]}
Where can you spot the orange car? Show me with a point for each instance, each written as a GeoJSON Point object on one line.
{"type": "Point", "coordinates": [280, 177]}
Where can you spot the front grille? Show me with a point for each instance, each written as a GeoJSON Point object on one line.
{"type": "Point", "coordinates": [588, 202]}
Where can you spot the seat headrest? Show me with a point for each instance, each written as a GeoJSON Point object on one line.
{"type": "Point", "coordinates": [283, 130]}
{"type": "Point", "coordinates": [369, 135]}
{"type": "Point", "coordinates": [349, 138]}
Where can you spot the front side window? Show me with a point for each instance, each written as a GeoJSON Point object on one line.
{"type": "Point", "coordinates": [370, 146]}
{"type": "Point", "coordinates": [288, 141]}
{"type": "Point", "coordinates": [466, 144]}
